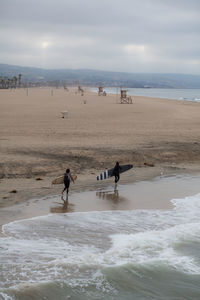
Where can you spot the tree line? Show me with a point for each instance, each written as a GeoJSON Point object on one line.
{"type": "Point", "coordinates": [14, 82]}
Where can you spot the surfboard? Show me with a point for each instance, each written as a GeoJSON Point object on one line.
{"type": "Point", "coordinates": [109, 173]}
{"type": "Point", "coordinates": [60, 179]}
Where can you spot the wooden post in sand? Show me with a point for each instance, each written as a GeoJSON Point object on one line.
{"type": "Point", "coordinates": [51, 92]}
{"type": "Point", "coordinates": [116, 94]}
{"type": "Point", "coordinates": [27, 92]}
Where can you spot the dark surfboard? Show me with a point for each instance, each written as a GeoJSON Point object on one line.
{"type": "Point", "coordinates": [109, 173]}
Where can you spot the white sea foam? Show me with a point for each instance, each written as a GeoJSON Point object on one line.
{"type": "Point", "coordinates": [74, 246]}
{"type": "Point", "coordinates": [188, 206]}
{"type": "Point", "coordinates": [4, 296]}
{"type": "Point", "coordinates": [156, 246]}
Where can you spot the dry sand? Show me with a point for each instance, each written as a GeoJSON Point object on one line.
{"type": "Point", "coordinates": [156, 135]}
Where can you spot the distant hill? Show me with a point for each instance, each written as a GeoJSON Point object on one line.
{"type": "Point", "coordinates": [100, 78]}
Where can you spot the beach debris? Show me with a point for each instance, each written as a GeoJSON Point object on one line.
{"type": "Point", "coordinates": [38, 178]}
{"type": "Point", "coordinates": [149, 164]}
{"type": "Point", "coordinates": [13, 191]}
{"type": "Point", "coordinates": [64, 114]}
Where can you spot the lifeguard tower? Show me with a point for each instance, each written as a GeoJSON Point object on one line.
{"type": "Point", "coordinates": [101, 92]}
{"type": "Point", "coordinates": [124, 98]}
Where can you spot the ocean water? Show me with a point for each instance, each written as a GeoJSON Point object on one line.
{"type": "Point", "coordinates": [176, 94]}
{"type": "Point", "coordinates": [121, 254]}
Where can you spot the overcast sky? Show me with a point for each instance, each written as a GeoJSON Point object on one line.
{"type": "Point", "coordinates": [115, 35]}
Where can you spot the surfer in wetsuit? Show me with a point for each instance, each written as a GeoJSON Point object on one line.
{"type": "Point", "coordinates": [116, 170]}
{"type": "Point", "coordinates": [67, 179]}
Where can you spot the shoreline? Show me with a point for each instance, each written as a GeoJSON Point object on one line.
{"type": "Point", "coordinates": [18, 190]}
{"type": "Point", "coordinates": [174, 94]}
{"type": "Point", "coordinates": [159, 190]}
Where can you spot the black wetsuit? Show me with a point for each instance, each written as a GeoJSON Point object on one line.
{"type": "Point", "coordinates": [116, 170]}
{"type": "Point", "coordinates": [66, 182]}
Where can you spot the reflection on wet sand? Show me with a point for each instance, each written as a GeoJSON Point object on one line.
{"type": "Point", "coordinates": [111, 200]}
{"type": "Point", "coordinates": [111, 196]}
{"type": "Point", "coordinates": [64, 207]}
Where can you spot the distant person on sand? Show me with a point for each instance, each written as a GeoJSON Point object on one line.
{"type": "Point", "coordinates": [67, 179]}
{"type": "Point", "coordinates": [116, 170]}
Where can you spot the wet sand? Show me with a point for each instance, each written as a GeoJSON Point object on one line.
{"type": "Point", "coordinates": [153, 194]}
{"type": "Point", "coordinates": [36, 144]}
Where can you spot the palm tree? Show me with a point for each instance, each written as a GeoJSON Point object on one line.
{"type": "Point", "coordinates": [2, 83]}
{"type": "Point", "coordinates": [6, 82]}
{"type": "Point", "coordinates": [15, 81]}
{"type": "Point", "coordinates": [11, 83]}
{"type": "Point", "coordinates": [19, 79]}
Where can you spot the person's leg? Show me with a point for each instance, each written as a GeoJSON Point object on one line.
{"type": "Point", "coordinates": [116, 180]}
{"type": "Point", "coordinates": [67, 188]}
{"type": "Point", "coordinates": [64, 190]}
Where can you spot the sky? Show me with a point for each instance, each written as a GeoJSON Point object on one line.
{"type": "Point", "coordinates": [137, 36]}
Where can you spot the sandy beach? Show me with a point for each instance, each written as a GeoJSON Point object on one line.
{"type": "Point", "coordinates": [157, 136]}
{"type": "Point", "coordinates": [102, 244]}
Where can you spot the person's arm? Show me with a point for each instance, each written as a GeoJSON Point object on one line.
{"type": "Point", "coordinates": [71, 177]}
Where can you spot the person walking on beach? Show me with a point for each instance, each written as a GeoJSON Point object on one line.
{"type": "Point", "coordinates": [116, 170]}
{"type": "Point", "coordinates": [67, 179]}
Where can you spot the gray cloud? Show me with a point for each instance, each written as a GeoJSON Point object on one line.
{"type": "Point", "coordinates": [128, 35]}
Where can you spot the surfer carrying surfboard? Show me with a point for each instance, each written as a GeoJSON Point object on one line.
{"type": "Point", "coordinates": [67, 179]}
{"type": "Point", "coordinates": [116, 172]}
